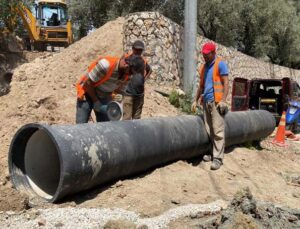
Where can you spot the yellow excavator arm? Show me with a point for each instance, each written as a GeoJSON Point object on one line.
{"type": "Point", "coordinates": [29, 21]}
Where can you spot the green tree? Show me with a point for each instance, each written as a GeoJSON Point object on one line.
{"type": "Point", "coordinates": [270, 29]}
{"type": "Point", "coordinates": [7, 14]}
{"type": "Point", "coordinates": [258, 28]}
{"type": "Point", "coordinates": [285, 44]}
{"type": "Point", "coordinates": [173, 9]}
{"type": "Point", "coordinates": [94, 13]}
{"type": "Point", "coordinates": [219, 20]}
{"type": "Point", "coordinates": [80, 15]}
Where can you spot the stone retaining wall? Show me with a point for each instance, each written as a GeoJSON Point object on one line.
{"type": "Point", "coordinates": [164, 42]}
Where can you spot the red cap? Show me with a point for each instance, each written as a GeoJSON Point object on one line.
{"type": "Point", "coordinates": [208, 47]}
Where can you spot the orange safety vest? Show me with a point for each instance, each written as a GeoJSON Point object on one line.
{"type": "Point", "coordinates": [113, 61]}
{"type": "Point", "coordinates": [217, 80]}
{"type": "Point", "coordinates": [145, 61]}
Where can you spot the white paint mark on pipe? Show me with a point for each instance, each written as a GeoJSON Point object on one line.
{"type": "Point", "coordinates": [96, 163]}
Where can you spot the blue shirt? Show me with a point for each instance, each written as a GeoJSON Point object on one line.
{"type": "Point", "coordinates": [208, 94]}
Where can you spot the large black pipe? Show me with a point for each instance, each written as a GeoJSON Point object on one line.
{"type": "Point", "coordinates": [54, 161]}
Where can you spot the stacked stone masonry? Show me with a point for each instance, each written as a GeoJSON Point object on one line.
{"type": "Point", "coordinates": [164, 43]}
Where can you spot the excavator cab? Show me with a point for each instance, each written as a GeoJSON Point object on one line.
{"type": "Point", "coordinates": [51, 14]}
{"type": "Point", "coordinates": [47, 23]}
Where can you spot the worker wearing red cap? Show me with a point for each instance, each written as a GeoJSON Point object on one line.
{"type": "Point", "coordinates": [212, 94]}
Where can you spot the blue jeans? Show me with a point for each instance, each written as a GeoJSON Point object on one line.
{"type": "Point", "coordinates": [84, 109]}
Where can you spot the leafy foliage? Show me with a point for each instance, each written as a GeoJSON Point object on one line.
{"type": "Point", "coordinates": [184, 102]}
{"type": "Point", "coordinates": [94, 13]}
{"type": "Point", "coordinates": [259, 28]}
{"type": "Point", "coordinates": [7, 15]}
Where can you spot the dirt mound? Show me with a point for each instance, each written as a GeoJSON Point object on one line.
{"type": "Point", "coordinates": [10, 57]}
{"type": "Point", "coordinates": [244, 212]}
{"type": "Point", "coordinates": [10, 43]}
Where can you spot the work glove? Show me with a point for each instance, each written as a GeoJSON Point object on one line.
{"type": "Point", "coordinates": [118, 98]}
{"type": "Point", "coordinates": [222, 108]}
{"type": "Point", "coordinates": [196, 103]}
{"type": "Point", "coordinates": [97, 106]}
{"type": "Point", "coordinates": [194, 106]}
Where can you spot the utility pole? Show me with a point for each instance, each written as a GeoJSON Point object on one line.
{"type": "Point", "coordinates": [190, 38]}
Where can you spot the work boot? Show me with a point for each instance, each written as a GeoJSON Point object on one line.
{"type": "Point", "coordinates": [216, 164]}
{"type": "Point", "coordinates": [207, 158]}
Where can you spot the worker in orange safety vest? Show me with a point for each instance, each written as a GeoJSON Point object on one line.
{"type": "Point", "coordinates": [212, 94]}
{"type": "Point", "coordinates": [94, 89]}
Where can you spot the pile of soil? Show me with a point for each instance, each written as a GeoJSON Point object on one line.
{"type": "Point", "coordinates": [10, 57]}
{"type": "Point", "coordinates": [244, 211]}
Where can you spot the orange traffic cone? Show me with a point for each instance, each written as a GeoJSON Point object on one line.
{"type": "Point", "coordinates": [280, 135]}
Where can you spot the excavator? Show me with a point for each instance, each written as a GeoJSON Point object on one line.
{"type": "Point", "coordinates": [47, 23]}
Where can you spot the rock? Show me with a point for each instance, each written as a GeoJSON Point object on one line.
{"type": "Point", "coordinates": [62, 85]}
{"type": "Point", "coordinates": [175, 201]}
{"type": "Point", "coordinates": [148, 23]}
{"type": "Point", "coordinates": [59, 224]}
{"type": "Point", "coordinates": [145, 15]}
{"type": "Point", "coordinates": [133, 38]}
{"type": "Point", "coordinates": [296, 194]}
{"type": "Point", "coordinates": [33, 104]}
{"type": "Point", "coordinates": [42, 222]}
{"type": "Point", "coordinates": [119, 224]}
{"type": "Point", "coordinates": [151, 30]}
{"type": "Point", "coordinates": [151, 37]}
{"type": "Point", "coordinates": [291, 178]}
{"type": "Point", "coordinates": [170, 54]}
{"type": "Point", "coordinates": [144, 31]}
{"type": "Point", "coordinates": [122, 195]}
{"type": "Point", "coordinates": [136, 31]}
{"type": "Point", "coordinates": [180, 92]}
{"type": "Point", "coordinates": [139, 23]}
{"type": "Point", "coordinates": [142, 227]}
{"type": "Point", "coordinates": [240, 220]}
{"type": "Point", "coordinates": [243, 200]}
{"type": "Point", "coordinates": [194, 215]}
{"type": "Point", "coordinates": [292, 218]}
{"type": "Point", "coordinates": [158, 52]}
{"type": "Point", "coordinates": [10, 213]}
{"type": "Point", "coordinates": [134, 18]}
{"type": "Point", "coordinates": [32, 215]}
{"type": "Point", "coordinates": [21, 77]}
{"type": "Point", "coordinates": [119, 184]}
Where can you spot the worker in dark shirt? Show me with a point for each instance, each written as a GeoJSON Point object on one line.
{"type": "Point", "coordinates": [134, 93]}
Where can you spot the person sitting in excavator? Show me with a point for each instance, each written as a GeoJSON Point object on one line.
{"type": "Point", "coordinates": [54, 20]}
{"type": "Point", "coordinates": [95, 87]}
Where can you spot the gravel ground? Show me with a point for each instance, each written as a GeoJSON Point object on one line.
{"type": "Point", "coordinates": [97, 218]}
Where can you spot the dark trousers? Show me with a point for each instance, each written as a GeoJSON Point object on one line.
{"type": "Point", "coordinates": [84, 109]}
